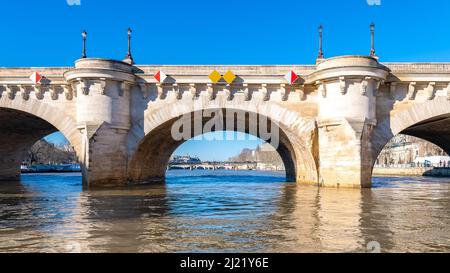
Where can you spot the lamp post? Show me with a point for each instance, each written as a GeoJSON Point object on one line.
{"type": "Point", "coordinates": [84, 35]}
{"type": "Point", "coordinates": [372, 40]}
{"type": "Point", "coordinates": [320, 55]}
{"type": "Point", "coordinates": [129, 57]}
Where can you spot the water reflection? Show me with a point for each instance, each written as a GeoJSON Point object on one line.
{"type": "Point", "coordinates": [223, 211]}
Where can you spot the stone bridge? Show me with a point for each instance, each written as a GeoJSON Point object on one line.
{"type": "Point", "coordinates": [333, 121]}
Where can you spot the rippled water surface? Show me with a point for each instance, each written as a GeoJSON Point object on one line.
{"type": "Point", "coordinates": [223, 211]}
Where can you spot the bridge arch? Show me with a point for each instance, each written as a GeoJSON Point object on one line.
{"type": "Point", "coordinates": [23, 123]}
{"type": "Point", "coordinates": [429, 120]}
{"type": "Point", "coordinates": [150, 156]}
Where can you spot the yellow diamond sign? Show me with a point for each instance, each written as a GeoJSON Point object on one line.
{"type": "Point", "coordinates": [215, 76]}
{"type": "Point", "coordinates": [229, 77]}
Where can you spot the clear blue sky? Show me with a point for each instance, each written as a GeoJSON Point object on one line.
{"type": "Point", "coordinates": [47, 33]}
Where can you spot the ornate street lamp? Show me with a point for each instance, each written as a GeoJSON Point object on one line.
{"type": "Point", "coordinates": [84, 35]}
{"type": "Point", "coordinates": [320, 55]}
{"type": "Point", "coordinates": [129, 57]}
{"type": "Point", "coordinates": [372, 38]}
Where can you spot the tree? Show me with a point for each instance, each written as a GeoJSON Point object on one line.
{"type": "Point", "coordinates": [44, 152]}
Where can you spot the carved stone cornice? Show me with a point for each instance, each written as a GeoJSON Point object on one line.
{"type": "Point", "coordinates": [38, 91]}
{"type": "Point", "coordinates": [412, 91]}
{"type": "Point", "coordinates": [377, 87]}
{"type": "Point", "coordinates": [68, 91]}
{"type": "Point", "coordinates": [228, 92]}
{"type": "Point", "coordinates": [284, 92]}
{"type": "Point", "coordinates": [265, 92]}
{"type": "Point", "coordinates": [9, 91]}
{"type": "Point", "coordinates": [160, 90]}
{"type": "Point", "coordinates": [301, 93]}
{"type": "Point", "coordinates": [448, 91]}
{"type": "Point", "coordinates": [23, 92]}
{"type": "Point", "coordinates": [125, 87]}
{"type": "Point", "coordinates": [431, 90]}
{"type": "Point", "coordinates": [53, 92]}
{"type": "Point", "coordinates": [247, 92]}
{"type": "Point", "coordinates": [103, 83]}
{"type": "Point", "coordinates": [321, 88]}
{"type": "Point", "coordinates": [211, 91]}
{"type": "Point", "coordinates": [342, 85]}
{"type": "Point", "coordinates": [178, 91]}
{"type": "Point", "coordinates": [144, 90]}
{"type": "Point", "coordinates": [392, 89]}
{"type": "Point", "coordinates": [193, 89]}
{"type": "Point", "coordinates": [364, 85]}
{"type": "Point", "coordinates": [84, 85]}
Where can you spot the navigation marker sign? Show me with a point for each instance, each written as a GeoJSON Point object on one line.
{"type": "Point", "coordinates": [215, 76]}
{"type": "Point", "coordinates": [160, 76]}
{"type": "Point", "coordinates": [229, 77]}
{"type": "Point", "coordinates": [291, 77]}
{"type": "Point", "coordinates": [36, 78]}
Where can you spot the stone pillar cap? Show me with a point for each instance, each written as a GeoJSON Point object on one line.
{"type": "Point", "coordinates": [348, 66]}
{"type": "Point", "coordinates": [96, 68]}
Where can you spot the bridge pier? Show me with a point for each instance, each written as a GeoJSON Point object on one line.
{"type": "Point", "coordinates": [345, 153]}
{"type": "Point", "coordinates": [347, 88]}
{"type": "Point", "coordinates": [103, 92]}
{"type": "Point", "coordinates": [104, 156]}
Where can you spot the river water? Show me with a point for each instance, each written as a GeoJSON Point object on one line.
{"type": "Point", "coordinates": [224, 211]}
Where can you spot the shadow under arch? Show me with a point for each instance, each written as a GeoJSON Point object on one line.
{"type": "Point", "coordinates": [429, 121]}
{"type": "Point", "coordinates": [22, 124]}
{"type": "Point", "coordinates": [151, 157]}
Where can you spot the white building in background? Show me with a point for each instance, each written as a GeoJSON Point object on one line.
{"type": "Point", "coordinates": [435, 161]}
{"type": "Point", "coordinates": [268, 159]}
{"type": "Point", "coordinates": [265, 156]}
{"type": "Point", "coordinates": [408, 150]}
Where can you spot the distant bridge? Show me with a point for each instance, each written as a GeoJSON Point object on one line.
{"type": "Point", "coordinates": [214, 166]}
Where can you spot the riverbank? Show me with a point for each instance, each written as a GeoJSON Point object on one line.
{"type": "Point", "coordinates": [413, 171]}
{"type": "Point", "coordinates": [63, 168]}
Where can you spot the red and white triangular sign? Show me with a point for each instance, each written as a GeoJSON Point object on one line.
{"type": "Point", "coordinates": [160, 76]}
{"type": "Point", "coordinates": [36, 78]}
{"type": "Point", "coordinates": [291, 77]}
